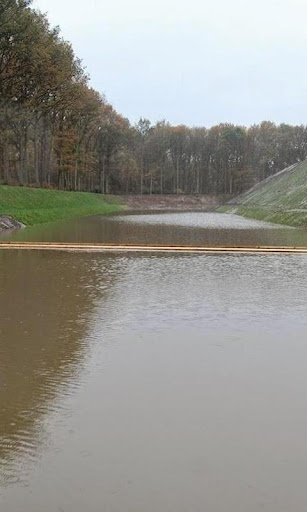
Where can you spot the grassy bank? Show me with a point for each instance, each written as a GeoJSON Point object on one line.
{"type": "Point", "coordinates": [36, 206]}
{"type": "Point", "coordinates": [281, 199]}
{"type": "Point", "coordinates": [288, 218]}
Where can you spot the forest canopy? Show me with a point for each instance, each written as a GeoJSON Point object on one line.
{"type": "Point", "coordinates": [56, 131]}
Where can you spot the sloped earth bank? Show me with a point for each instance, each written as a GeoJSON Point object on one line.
{"type": "Point", "coordinates": [295, 217]}
{"type": "Point", "coordinates": [281, 198]}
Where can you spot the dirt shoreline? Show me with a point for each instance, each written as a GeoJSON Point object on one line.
{"type": "Point", "coordinates": [172, 202]}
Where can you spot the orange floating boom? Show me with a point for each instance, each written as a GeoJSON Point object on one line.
{"type": "Point", "coordinates": [115, 248]}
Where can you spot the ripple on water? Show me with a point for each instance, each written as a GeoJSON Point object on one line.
{"type": "Point", "coordinates": [152, 382]}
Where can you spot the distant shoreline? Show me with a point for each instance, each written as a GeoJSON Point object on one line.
{"type": "Point", "coordinates": [195, 202]}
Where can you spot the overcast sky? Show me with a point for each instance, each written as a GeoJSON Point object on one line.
{"type": "Point", "coordinates": [194, 62]}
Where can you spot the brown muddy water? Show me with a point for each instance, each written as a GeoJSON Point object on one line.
{"type": "Point", "coordinates": [144, 383]}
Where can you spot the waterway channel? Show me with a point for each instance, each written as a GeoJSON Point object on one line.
{"type": "Point", "coordinates": [145, 383]}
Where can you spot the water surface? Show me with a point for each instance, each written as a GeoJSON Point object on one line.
{"type": "Point", "coordinates": [144, 383]}
{"type": "Point", "coordinates": [191, 228]}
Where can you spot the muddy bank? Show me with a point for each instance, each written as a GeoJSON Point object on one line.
{"type": "Point", "coordinates": [8, 222]}
{"type": "Point", "coordinates": [172, 202]}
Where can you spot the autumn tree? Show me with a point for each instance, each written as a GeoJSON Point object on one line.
{"type": "Point", "coordinates": [56, 131]}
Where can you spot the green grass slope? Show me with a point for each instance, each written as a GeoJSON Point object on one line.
{"type": "Point", "coordinates": [282, 198]}
{"type": "Point", "coordinates": [36, 206]}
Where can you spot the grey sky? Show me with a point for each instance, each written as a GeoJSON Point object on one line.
{"type": "Point", "coordinates": [195, 62]}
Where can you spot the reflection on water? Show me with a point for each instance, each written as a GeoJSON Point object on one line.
{"type": "Point", "coordinates": [46, 306]}
{"type": "Point", "coordinates": [203, 220]}
{"type": "Point", "coordinates": [143, 383]}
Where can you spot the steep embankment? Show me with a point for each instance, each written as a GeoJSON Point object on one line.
{"type": "Point", "coordinates": [36, 206]}
{"type": "Point", "coordinates": [282, 198]}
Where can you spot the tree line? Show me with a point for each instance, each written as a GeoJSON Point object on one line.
{"type": "Point", "coordinates": [56, 131]}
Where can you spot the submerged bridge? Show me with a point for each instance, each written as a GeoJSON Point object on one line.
{"type": "Point", "coordinates": [114, 248]}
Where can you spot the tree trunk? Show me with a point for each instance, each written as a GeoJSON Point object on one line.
{"type": "Point", "coordinates": [102, 176]}
{"type": "Point", "coordinates": [177, 175]}
{"type": "Point", "coordinates": [6, 170]}
{"type": "Point", "coordinates": [161, 181]}
{"type": "Point", "coordinates": [22, 174]}
{"type": "Point", "coordinates": [76, 169]}
{"type": "Point", "coordinates": [36, 153]}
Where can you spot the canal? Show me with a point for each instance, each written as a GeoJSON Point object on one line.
{"type": "Point", "coordinates": [162, 382]}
